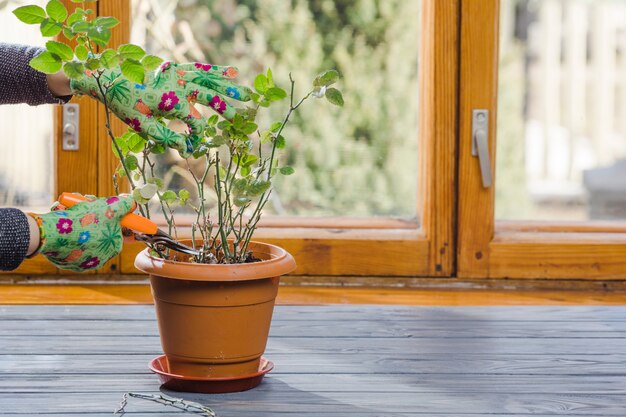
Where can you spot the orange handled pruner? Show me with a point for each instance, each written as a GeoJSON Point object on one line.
{"type": "Point", "coordinates": [145, 229]}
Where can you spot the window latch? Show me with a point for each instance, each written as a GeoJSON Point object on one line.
{"type": "Point", "coordinates": [480, 144]}
{"type": "Point", "coordinates": [71, 115]}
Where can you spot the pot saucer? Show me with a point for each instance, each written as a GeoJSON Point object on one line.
{"type": "Point", "coordinates": [160, 366]}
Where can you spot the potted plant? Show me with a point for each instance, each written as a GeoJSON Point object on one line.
{"type": "Point", "coordinates": [214, 309]}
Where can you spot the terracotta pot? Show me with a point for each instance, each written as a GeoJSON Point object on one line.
{"type": "Point", "coordinates": [214, 320]}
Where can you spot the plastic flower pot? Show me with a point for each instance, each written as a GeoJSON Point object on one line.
{"type": "Point", "coordinates": [214, 320]}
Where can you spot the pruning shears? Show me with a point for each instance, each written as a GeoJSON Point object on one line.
{"type": "Point", "coordinates": [145, 229]}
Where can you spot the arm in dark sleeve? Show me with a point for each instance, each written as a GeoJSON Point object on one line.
{"type": "Point", "coordinates": [14, 238]}
{"type": "Point", "coordinates": [19, 83]}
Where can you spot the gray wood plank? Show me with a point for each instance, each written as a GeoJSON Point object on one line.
{"type": "Point", "coordinates": [314, 345]}
{"type": "Point", "coordinates": [337, 363]}
{"type": "Point", "coordinates": [334, 312]}
{"type": "Point", "coordinates": [287, 399]}
{"type": "Point", "coordinates": [325, 328]}
{"type": "Point", "coordinates": [325, 382]}
{"type": "Point", "coordinates": [333, 361]}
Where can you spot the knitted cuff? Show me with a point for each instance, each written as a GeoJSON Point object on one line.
{"type": "Point", "coordinates": [14, 238]}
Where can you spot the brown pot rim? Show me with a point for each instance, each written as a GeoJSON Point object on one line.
{"type": "Point", "coordinates": [280, 262]}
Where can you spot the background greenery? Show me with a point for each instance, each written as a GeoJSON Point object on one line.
{"type": "Point", "coordinates": [360, 161]}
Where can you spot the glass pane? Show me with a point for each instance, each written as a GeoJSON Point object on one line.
{"type": "Point", "coordinates": [562, 110]}
{"type": "Point", "coordinates": [26, 159]}
{"type": "Point", "coordinates": [357, 161]}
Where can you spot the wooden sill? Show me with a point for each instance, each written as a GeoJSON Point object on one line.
{"type": "Point", "coordinates": [299, 295]}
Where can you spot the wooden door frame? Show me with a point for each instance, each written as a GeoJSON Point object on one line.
{"type": "Point", "coordinates": [526, 250]}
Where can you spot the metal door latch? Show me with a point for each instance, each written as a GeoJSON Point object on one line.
{"type": "Point", "coordinates": [480, 143]}
{"type": "Point", "coordinates": [70, 127]}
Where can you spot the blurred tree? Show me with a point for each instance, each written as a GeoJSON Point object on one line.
{"type": "Point", "coordinates": [358, 161]}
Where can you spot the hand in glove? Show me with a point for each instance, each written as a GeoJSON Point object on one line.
{"type": "Point", "coordinates": [169, 92]}
{"type": "Point", "coordinates": [84, 236]}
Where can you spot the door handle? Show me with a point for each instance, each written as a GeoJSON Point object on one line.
{"type": "Point", "coordinates": [480, 144]}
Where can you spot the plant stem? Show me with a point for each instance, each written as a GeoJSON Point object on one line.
{"type": "Point", "coordinates": [220, 216]}
{"type": "Point", "coordinates": [184, 405]}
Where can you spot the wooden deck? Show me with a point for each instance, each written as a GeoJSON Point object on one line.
{"type": "Point", "coordinates": [345, 360]}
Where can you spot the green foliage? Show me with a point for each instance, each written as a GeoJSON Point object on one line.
{"type": "Point", "coordinates": [56, 10]}
{"type": "Point", "coordinates": [74, 70]}
{"type": "Point", "coordinates": [334, 96]}
{"type": "Point", "coordinates": [133, 70]}
{"type": "Point", "coordinates": [30, 14]}
{"type": "Point", "coordinates": [360, 161]}
{"type": "Point", "coordinates": [238, 163]}
{"type": "Point", "coordinates": [47, 62]}
{"type": "Point", "coordinates": [60, 49]}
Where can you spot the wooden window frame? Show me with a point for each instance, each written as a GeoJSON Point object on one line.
{"type": "Point", "coordinates": [322, 246]}
{"type": "Point", "coordinates": [515, 249]}
{"type": "Point", "coordinates": [354, 247]}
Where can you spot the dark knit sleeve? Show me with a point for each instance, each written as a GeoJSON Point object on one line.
{"type": "Point", "coordinates": [14, 238]}
{"type": "Point", "coordinates": [19, 83]}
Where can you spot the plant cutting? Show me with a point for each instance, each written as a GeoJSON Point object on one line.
{"type": "Point", "coordinates": [214, 307]}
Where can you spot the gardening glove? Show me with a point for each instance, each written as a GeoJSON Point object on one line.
{"type": "Point", "coordinates": [84, 236]}
{"type": "Point", "coordinates": [169, 92]}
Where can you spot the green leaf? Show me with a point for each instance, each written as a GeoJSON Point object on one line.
{"type": "Point", "coordinates": [249, 160]}
{"type": "Point", "coordinates": [169, 197]}
{"type": "Point", "coordinates": [326, 78]}
{"type": "Point", "coordinates": [334, 96]}
{"type": "Point", "coordinates": [139, 198]}
{"type": "Point", "coordinates": [130, 51]}
{"type": "Point", "coordinates": [81, 26]}
{"type": "Point", "coordinates": [93, 64]}
{"type": "Point", "coordinates": [50, 28]}
{"type": "Point", "coordinates": [46, 62]}
{"type": "Point", "coordinates": [184, 196]}
{"type": "Point", "coordinates": [122, 143]}
{"type": "Point", "coordinates": [99, 35]}
{"type": "Point", "coordinates": [258, 187]}
{"type": "Point", "coordinates": [151, 62]}
{"type": "Point", "coordinates": [60, 49]}
{"type": "Point", "coordinates": [270, 78]}
{"type": "Point", "coordinates": [131, 162]}
{"type": "Point", "coordinates": [286, 170]}
{"type": "Point", "coordinates": [135, 142]}
{"type": "Point", "coordinates": [69, 35]}
{"type": "Point", "coordinates": [147, 191]}
{"type": "Point", "coordinates": [249, 128]}
{"type": "Point", "coordinates": [216, 141]}
{"type": "Point", "coordinates": [275, 127]}
{"type": "Point", "coordinates": [30, 14]}
{"type": "Point", "coordinates": [81, 52]}
{"type": "Point", "coordinates": [56, 10]}
{"type": "Point", "coordinates": [245, 171]}
{"type": "Point", "coordinates": [106, 22]}
{"type": "Point", "coordinates": [74, 17]}
{"type": "Point", "coordinates": [266, 136]}
{"type": "Point", "coordinates": [133, 70]}
{"type": "Point", "coordinates": [109, 58]}
{"type": "Point", "coordinates": [260, 83]}
{"type": "Point", "coordinates": [239, 186]}
{"type": "Point", "coordinates": [213, 120]}
{"type": "Point", "coordinates": [275, 94]}
{"type": "Point", "coordinates": [74, 70]}
{"type": "Point", "coordinates": [280, 142]}
{"type": "Point", "coordinates": [241, 201]}
{"type": "Point", "coordinates": [156, 181]}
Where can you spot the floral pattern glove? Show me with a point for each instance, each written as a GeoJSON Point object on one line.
{"type": "Point", "coordinates": [84, 236]}
{"type": "Point", "coordinates": [169, 92]}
